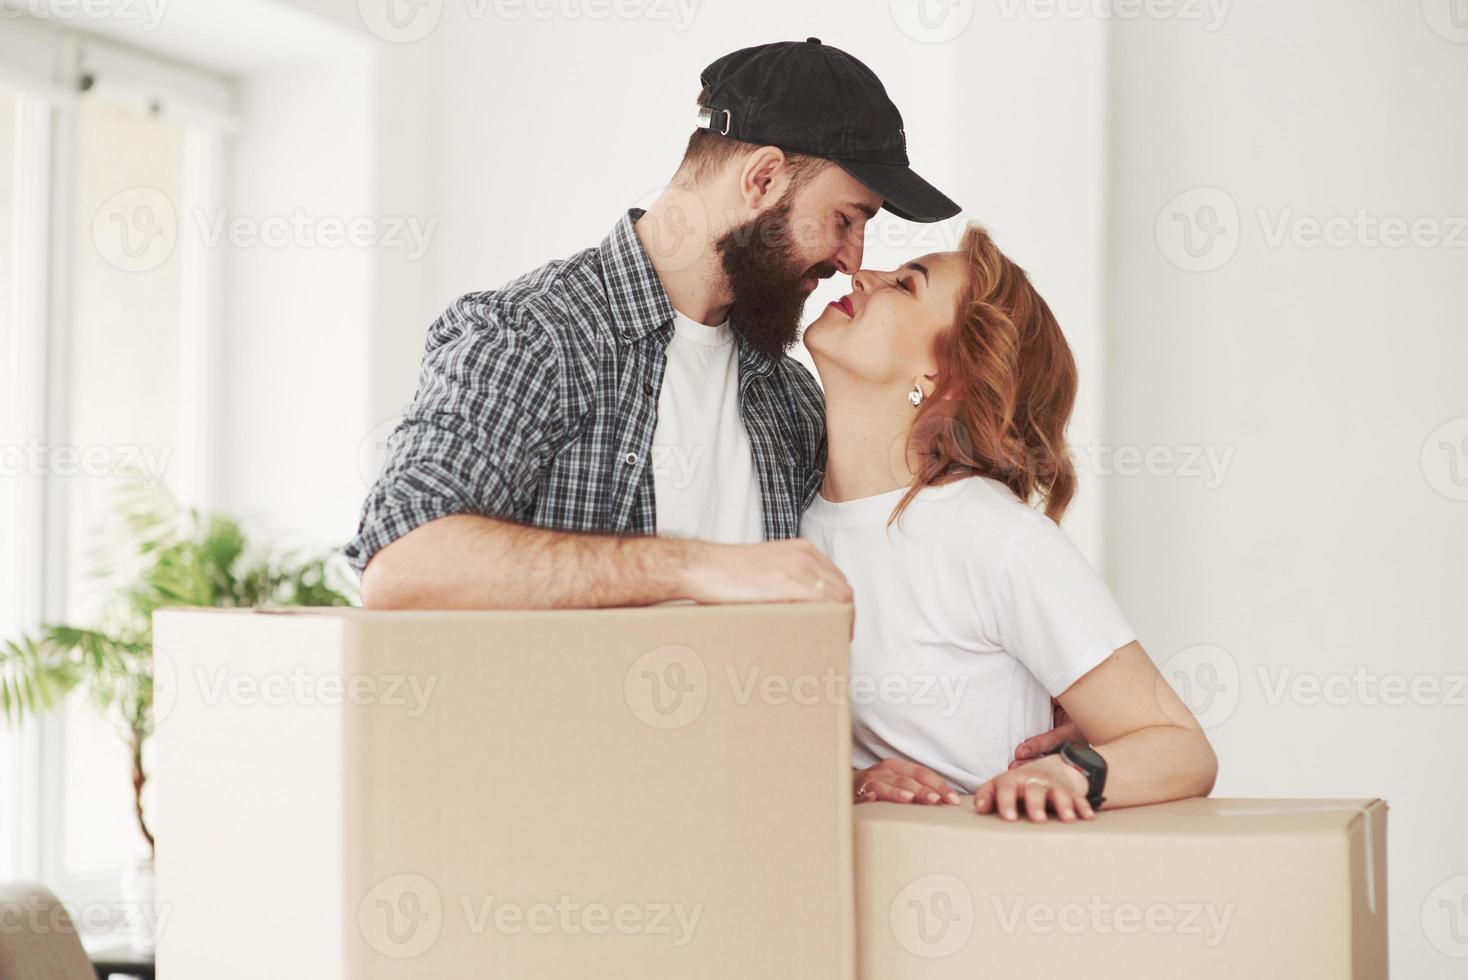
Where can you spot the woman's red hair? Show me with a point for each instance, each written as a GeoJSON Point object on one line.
{"type": "Point", "coordinates": [1006, 387]}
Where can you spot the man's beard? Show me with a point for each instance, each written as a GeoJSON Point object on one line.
{"type": "Point", "coordinates": [767, 281]}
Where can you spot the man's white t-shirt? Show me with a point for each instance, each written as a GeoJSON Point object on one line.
{"type": "Point", "coordinates": [703, 469]}
{"type": "Point", "coordinates": [971, 612]}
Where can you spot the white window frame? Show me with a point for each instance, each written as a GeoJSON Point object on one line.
{"type": "Point", "coordinates": [22, 499]}
{"type": "Point", "coordinates": [46, 65]}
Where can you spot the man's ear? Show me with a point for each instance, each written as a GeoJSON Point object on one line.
{"type": "Point", "coordinates": [764, 177]}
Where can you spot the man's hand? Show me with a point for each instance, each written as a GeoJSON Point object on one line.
{"type": "Point", "coordinates": [793, 570]}
{"type": "Point", "coordinates": [1064, 731]}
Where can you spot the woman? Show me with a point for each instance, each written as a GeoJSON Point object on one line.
{"type": "Point", "coordinates": [948, 388]}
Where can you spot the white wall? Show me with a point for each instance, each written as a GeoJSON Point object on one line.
{"type": "Point", "coordinates": [299, 315]}
{"type": "Point", "coordinates": [1328, 545]}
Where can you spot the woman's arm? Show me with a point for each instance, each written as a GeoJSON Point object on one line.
{"type": "Point", "coordinates": [1153, 746]}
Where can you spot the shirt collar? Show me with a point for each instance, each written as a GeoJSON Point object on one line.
{"type": "Point", "coordinates": [639, 302]}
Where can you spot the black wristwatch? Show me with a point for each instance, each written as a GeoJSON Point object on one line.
{"type": "Point", "coordinates": [1088, 762]}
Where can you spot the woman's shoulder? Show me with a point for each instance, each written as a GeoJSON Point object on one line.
{"type": "Point", "coordinates": [984, 504]}
{"type": "Point", "coordinates": [979, 515]}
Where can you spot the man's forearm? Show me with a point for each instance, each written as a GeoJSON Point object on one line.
{"type": "Point", "coordinates": [470, 562]}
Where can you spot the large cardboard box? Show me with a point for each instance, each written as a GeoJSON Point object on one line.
{"type": "Point", "coordinates": [657, 793]}
{"type": "Point", "coordinates": [1192, 890]}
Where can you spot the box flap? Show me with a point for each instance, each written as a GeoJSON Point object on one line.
{"type": "Point", "coordinates": [1207, 816]}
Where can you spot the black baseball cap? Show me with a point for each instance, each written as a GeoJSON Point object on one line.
{"type": "Point", "coordinates": [808, 97]}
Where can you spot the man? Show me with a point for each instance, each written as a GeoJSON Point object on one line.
{"type": "Point", "coordinates": [641, 388]}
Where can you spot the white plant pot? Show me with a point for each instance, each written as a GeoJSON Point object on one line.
{"type": "Point", "coordinates": [140, 900]}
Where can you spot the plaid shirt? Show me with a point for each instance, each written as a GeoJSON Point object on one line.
{"type": "Point", "coordinates": [536, 404]}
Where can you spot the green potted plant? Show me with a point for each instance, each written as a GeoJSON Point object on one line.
{"type": "Point", "coordinates": [168, 557]}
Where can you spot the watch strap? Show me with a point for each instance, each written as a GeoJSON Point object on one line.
{"type": "Point", "coordinates": [1095, 776]}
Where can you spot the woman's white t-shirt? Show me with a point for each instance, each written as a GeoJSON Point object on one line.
{"type": "Point", "coordinates": [971, 612]}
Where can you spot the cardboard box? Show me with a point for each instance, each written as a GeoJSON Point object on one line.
{"type": "Point", "coordinates": [1192, 890]}
{"type": "Point", "coordinates": [621, 794]}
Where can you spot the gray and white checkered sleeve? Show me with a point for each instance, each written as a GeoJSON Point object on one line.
{"type": "Point", "coordinates": [474, 436]}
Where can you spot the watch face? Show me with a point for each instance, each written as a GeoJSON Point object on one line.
{"type": "Point", "coordinates": [1086, 756]}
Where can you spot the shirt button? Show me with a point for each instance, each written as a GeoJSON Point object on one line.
{"type": "Point", "coordinates": [630, 458]}
{"type": "Point", "coordinates": [647, 387]}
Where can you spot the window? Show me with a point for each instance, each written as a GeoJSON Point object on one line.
{"type": "Point", "coordinates": [24, 175]}
{"type": "Point", "coordinates": [106, 338]}
{"type": "Point", "coordinates": [122, 410]}
{"type": "Point", "coordinates": [11, 621]}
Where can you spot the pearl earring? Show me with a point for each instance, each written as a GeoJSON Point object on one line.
{"type": "Point", "coordinates": [915, 396]}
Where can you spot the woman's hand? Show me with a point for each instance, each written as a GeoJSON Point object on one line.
{"type": "Point", "coordinates": [900, 781]}
{"type": "Point", "coordinates": [1034, 788]}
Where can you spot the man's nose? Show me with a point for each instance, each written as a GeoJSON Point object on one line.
{"type": "Point", "coordinates": [848, 257]}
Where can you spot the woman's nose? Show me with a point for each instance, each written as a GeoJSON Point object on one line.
{"type": "Point", "coordinates": [863, 280]}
